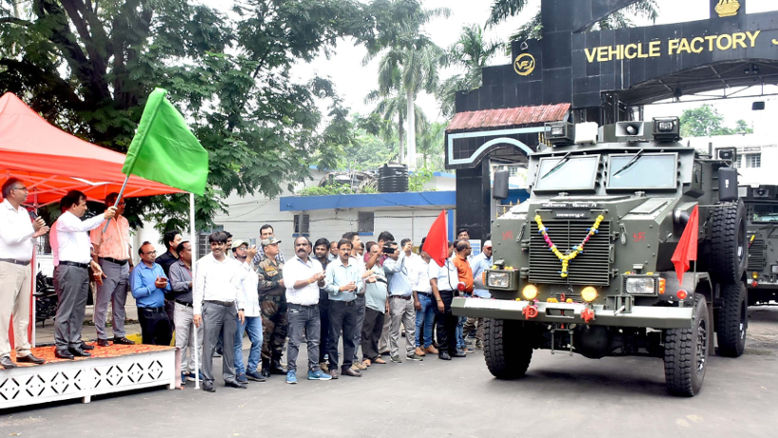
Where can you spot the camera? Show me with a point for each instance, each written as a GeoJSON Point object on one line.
{"type": "Point", "coordinates": [389, 248]}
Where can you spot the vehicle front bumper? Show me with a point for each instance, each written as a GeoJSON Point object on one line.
{"type": "Point", "coordinates": [570, 313]}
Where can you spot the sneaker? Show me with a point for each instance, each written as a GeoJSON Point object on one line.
{"type": "Point", "coordinates": [184, 378]}
{"type": "Point", "coordinates": [242, 379]}
{"type": "Point", "coordinates": [431, 350]}
{"type": "Point", "coordinates": [414, 356]}
{"type": "Point", "coordinates": [318, 375]}
{"type": "Point", "coordinates": [396, 359]}
{"type": "Point", "coordinates": [190, 377]}
{"type": "Point", "coordinates": [419, 351]}
{"type": "Point", "coordinates": [291, 377]}
{"type": "Point", "coordinates": [254, 376]}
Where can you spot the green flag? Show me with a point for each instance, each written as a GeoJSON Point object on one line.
{"type": "Point", "coordinates": [164, 150]}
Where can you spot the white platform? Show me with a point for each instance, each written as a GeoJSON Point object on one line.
{"type": "Point", "coordinates": [25, 386]}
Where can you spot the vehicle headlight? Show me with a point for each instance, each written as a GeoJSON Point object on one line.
{"type": "Point", "coordinates": [498, 279]}
{"type": "Point", "coordinates": [640, 285]}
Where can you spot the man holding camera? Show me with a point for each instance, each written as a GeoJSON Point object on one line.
{"type": "Point", "coordinates": [401, 308]}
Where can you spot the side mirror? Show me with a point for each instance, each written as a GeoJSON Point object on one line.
{"type": "Point", "coordinates": [500, 185]}
{"type": "Point", "coordinates": [728, 190]}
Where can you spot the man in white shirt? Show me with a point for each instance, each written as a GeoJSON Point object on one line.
{"type": "Point", "coordinates": [252, 315]}
{"type": "Point", "coordinates": [303, 276]}
{"type": "Point", "coordinates": [443, 281]}
{"type": "Point", "coordinates": [16, 240]}
{"type": "Point", "coordinates": [72, 261]}
{"type": "Point", "coordinates": [218, 305]}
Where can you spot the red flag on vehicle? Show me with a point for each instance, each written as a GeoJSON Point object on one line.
{"type": "Point", "coordinates": [436, 243]}
{"type": "Point", "coordinates": [686, 250]}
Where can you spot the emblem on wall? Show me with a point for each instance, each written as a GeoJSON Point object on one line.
{"type": "Point", "coordinates": [524, 64]}
{"type": "Point", "coordinates": [727, 8]}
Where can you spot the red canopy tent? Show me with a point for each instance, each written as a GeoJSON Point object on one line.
{"type": "Point", "coordinates": [51, 161]}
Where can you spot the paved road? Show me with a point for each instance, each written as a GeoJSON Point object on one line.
{"type": "Point", "coordinates": [561, 396]}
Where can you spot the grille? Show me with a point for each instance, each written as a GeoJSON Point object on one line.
{"type": "Point", "coordinates": [756, 255]}
{"type": "Point", "coordinates": [591, 267]}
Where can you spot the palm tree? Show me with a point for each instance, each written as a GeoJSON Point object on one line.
{"type": "Point", "coordinates": [503, 9]}
{"type": "Point", "coordinates": [472, 52]}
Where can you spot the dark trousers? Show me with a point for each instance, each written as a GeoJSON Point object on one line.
{"type": "Point", "coordinates": [343, 318]}
{"type": "Point", "coordinates": [72, 285]}
{"type": "Point", "coordinates": [304, 326]}
{"type": "Point", "coordinates": [154, 326]}
{"type": "Point", "coordinates": [446, 324]}
{"type": "Point", "coordinates": [219, 321]}
{"type": "Point", "coordinates": [324, 317]}
{"type": "Point", "coordinates": [371, 333]}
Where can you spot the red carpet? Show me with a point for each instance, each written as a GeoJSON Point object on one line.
{"type": "Point", "coordinates": [99, 352]}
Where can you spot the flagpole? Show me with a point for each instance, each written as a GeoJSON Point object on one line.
{"type": "Point", "coordinates": [193, 244]}
{"type": "Point", "coordinates": [118, 198]}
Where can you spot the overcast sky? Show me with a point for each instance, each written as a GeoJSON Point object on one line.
{"type": "Point", "coordinates": [354, 80]}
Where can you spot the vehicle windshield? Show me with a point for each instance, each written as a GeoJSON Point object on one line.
{"type": "Point", "coordinates": [765, 213]}
{"type": "Point", "coordinates": [572, 173]}
{"type": "Point", "coordinates": [644, 171]}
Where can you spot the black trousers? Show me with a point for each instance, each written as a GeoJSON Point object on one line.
{"type": "Point", "coordinates": [446, 324]}
{"type": "Point", "coordinates": [371, 333]}
{"type": "Point", "coordinates": [343, 319]}
{"type": "Point", "coordinates": [154, 326]}
{"type": "Point", "coordinates": [324, 317]}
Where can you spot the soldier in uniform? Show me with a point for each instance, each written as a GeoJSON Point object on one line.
{"type": "Point", "coordinates": [272, 301]}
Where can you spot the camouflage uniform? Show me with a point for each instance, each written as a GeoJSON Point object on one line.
{"type": "Point", "coordinates": [272, 301]}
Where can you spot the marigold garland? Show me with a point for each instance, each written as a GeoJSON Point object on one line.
{"type": "Point", "coordinates": [565, 258]}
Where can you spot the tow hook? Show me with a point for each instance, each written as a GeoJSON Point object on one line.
{"type": "Point", "coordinates": [587, 315]}
{"type": "Point", "coordinates": [531, 310]}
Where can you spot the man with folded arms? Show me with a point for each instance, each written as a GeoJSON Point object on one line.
{"type": "Point", "coordinates": [112, 252]}
{"type": "Point", "coordinates": [218, 306]}
{"type": "Point", "coordinates": [72, 259]}
{"type": "Point", "coordinates": [343, 280]}
{"type": "Point", "coordinates": [16, 239]}
{"type": "Point", "coordinates": [149, 285]}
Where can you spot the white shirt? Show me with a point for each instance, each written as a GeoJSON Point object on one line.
{"type": "Point", "coordinates": [72, 241]}
{"type": "Point", "coordinates": [218, 281]}
{"type": "Point", "coordinates": [250, 295]}
{"type": "Point", "coordinates": [447, 275]}
{"type": "Point", "coordinates": [295, 270]}
{"type": "Point", "coordinates": [15, 232]}
{"type": "Point", "coordinates": [418, 272]}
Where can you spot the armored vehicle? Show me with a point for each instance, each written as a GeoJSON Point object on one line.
{"type": "Point", "coordinates": [584, 265]}
{"type": "Point", "coordinates": [762, 228]}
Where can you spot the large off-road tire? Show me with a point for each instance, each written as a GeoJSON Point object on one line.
{"type": "Point", "coordinates": [732, 321]}
{"type": "Point", "coordinates": [686, 353]}
{"type": "Point", "coordinates": [507, 348]}
{"type": "Point", "coordinates": [728, 248]}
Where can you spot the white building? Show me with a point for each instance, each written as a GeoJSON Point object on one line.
{"type": "Point", "coordinates": [757, 155]}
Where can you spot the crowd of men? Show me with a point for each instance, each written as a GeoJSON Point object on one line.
{"type": "Point", "coordinates": [365, 296]}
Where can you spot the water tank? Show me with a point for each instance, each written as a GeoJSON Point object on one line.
{"type": "Point", "coordinates": [393, 178]}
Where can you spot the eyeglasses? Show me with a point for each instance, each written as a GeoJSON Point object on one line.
{"type": "Point", "coordinates": [22, 188]}
{"type": "Point", "coordinates": [149, 252]}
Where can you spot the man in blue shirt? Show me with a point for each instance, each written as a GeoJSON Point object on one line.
{"type": "Point", "coordinates": [479, 264]}
{"type": "Point", "coordinates": [149, 283]}
{"type": "Point", "coordinates": [343, 281]}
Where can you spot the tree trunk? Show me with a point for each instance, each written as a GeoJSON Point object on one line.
{"type": "Point", "coordinates": [411, 132]}
{"type": "Point", "coordinates": [400, 136]}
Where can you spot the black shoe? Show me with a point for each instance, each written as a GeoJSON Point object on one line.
{"type": "Point", "coordinates": [103, 342]}
{"type": "Point", "coordinates": [234, 384]}
{"type": "Point", "coordinates": [123, 341]}
{"type": "Point", "coordinates": [87, 347]}
{"type": "Point", "coordinates": [63, 354]}
{"type": "Point", "coordinates": [208, 387]}
{"type": "Point", "coordinates": [265, 372]}
{"type": "Point", "coordinates": [7, 363]}
{"type": "Point", "coordinates": [459, 353]}
{"type": "Point", "coordinates": [444, 355]}
{"type": "Point", "coordinates": [254, 376]}
{"type": "Point", "coordinates": [79, 352]}
{"type": "Point", "coordinates": [276, 368]}
{"type": "Point", "coordinates": [30, 358]}
{"type": "Point", "coordinates": [348, 371]}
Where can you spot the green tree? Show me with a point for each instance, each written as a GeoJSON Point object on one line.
{"type": "Point", "coordinates": [706, 121]}
{"type": "Point", "coordinates": [504, 9]}
{"type": "Point", "coordinates": [408, 64]}
{"type": "Point", "coordinates": [87, 66]}
{"type": "Point", "coordinates": [471, 52]}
